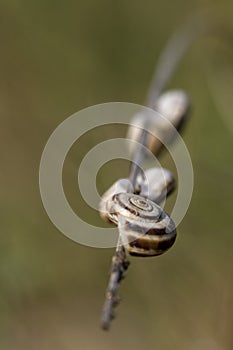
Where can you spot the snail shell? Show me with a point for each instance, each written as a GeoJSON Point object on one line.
{"type": "Point", "coordinates": [173, 107]}
{"type": "Point", "coordinates": [145, 228]}
{"type": "Point", "coordinates": [120, 186]}
{"type": "Point", "coordinates": [156, 184]}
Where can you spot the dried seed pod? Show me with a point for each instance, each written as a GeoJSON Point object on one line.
{"type": "Point", "coordinates": [145, 228]}
{"type": "Point", "coordinates": [173, 107]}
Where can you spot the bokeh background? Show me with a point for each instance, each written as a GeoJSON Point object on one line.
{"type": "Point", "coordinates": [58, 57]}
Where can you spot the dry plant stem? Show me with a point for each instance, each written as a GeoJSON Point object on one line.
{"type": "Point", "coordinates": [172, 54]}
{"type": "Point", "coordinates": [120, 262]}
{"type": "Point", "coordinates": [167, 64]}
{"type": "Point", "coordinates": [119, 267]}
{"type": "Point", "coordinates": [168, 61]}
{"type": "Point", "coordinates": [138, 160]}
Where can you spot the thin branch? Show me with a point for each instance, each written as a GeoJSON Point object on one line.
{"type": "Point", "coordinates": [173, 52]}
{"type": "Point", "coordinates": [119, 267]}
{"type": "Point", "coordinates": [167, 63]}
{"type": "Point", "coordinates": [139, 157]}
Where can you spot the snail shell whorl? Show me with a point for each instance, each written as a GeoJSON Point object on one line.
{"type": "Point", "coordinates": [146, 229]}
{"type": "Point", "coordinates": [120, 186]}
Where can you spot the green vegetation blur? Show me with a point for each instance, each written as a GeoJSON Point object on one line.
{"type": "Point", "coordinates": [58, 57]}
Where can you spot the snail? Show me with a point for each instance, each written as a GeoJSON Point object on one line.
{"type": "Point", "coordinates": [155, 184]}
{"type": "Point", "coordinates": [171, 109]}
{"type": "Point", "coordinates": [145, 228]}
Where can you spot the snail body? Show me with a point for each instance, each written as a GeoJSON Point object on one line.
{"type": "Point", "coordinates": [145, 228]}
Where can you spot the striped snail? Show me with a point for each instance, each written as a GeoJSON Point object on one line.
{"type": "Point", "coordinates": [173, 107]}
{"type": "Point", "coordinates": [145, 228]}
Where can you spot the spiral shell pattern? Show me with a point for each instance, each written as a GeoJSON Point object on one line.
{"type": "Point", "coordinates": [146, 229]}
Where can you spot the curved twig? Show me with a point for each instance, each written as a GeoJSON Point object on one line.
{"type": "Point", "coordinates": [168, 61]}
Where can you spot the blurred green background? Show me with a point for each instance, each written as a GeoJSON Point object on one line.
{"type": "Point", "coordinates": [58, 57]}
